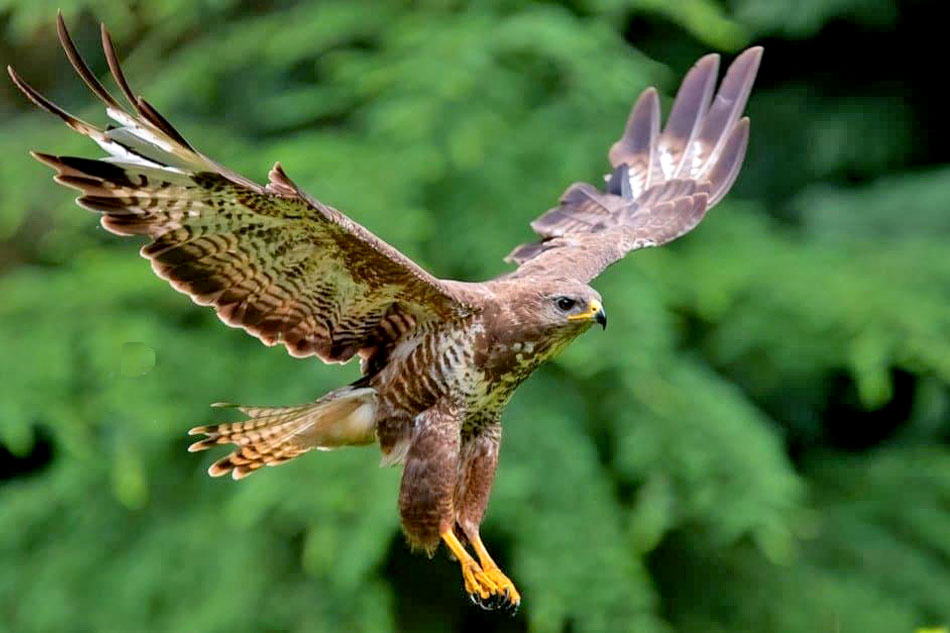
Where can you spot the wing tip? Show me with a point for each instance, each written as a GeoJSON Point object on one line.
{"type": "Point", "coordinates": [640, 131]}
{"type": "Point", "coordinates": [708, 63]}
{"type": "Point", "coordinates": [28, 91]}
{"type": "Point", "coordinates": [753, 51]}
{"type": "Point", "coordinates": [50, 160]}
{"type": "Point", "coordinates": [747, 63]}
{"type": "Point", "coordinates": [724, 174]}
{"type": "Point", "coordinates": [45, 104]}
{"type": "Point", "coordinates": [79, 64]}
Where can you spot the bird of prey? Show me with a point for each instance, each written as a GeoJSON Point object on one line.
{"type": "Point", "coordinates": [440, 359]}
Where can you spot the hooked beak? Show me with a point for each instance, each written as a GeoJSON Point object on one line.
{"type": "Point", "coordinates": [601, 317]}
{"type": "Point", "coordinates": [595, 312]}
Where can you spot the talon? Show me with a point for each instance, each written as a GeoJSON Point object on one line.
{"type": "Point", "coordinates": [477, 582]}
{"type": "Point", "coordinates": [507, 594]}
{"type": "Point", "coordinates": [485, 584]}
{"type": "Point", "coordinates": [502, 590]}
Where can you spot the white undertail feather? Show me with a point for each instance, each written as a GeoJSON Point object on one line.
{"type": "Point", "coordinates": [274, 435]}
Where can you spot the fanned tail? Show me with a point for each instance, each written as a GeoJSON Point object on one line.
{"type": "Point", "coordinates": [274, 435]}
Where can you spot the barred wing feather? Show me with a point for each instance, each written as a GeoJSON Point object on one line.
{"type": "Point", "coordinates": [270, 259]}
{"type": "Point", "coordinates": [663, 182]}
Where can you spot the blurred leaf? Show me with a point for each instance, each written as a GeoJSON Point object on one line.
{"type": "Point", "coordinates": [802, 18]}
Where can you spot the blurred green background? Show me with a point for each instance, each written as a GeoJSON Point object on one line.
{"type": "Point", "coordinates": [760, 442]}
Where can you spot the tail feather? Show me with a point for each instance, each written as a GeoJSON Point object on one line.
{"type": "Point", "coordinates": [274, 435]}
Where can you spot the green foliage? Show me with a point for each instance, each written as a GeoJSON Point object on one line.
{"type": "Point", "coordinates": [759, 442]}
{"type": "Point", "coordinates": [797, 18]}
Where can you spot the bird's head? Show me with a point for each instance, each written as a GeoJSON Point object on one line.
{"type": "Point", "coordinates": [535, 318]}
{"type": "Point", "coordinates": [567, 306]}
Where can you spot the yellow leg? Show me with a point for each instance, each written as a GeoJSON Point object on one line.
{"type": "Point", "coordinates": [478, 585]}
{"type": "Point", "coordinates": [490, 569]}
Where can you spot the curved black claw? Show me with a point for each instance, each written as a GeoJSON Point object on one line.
{"type": "Point", "coordinates": [484, 603]}
{"type": "Point", "coordinates": [496, 601]}
{"type": "Point", "coordinates": [510, 606]}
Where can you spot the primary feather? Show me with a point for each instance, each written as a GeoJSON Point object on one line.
{"type": "Point", "coordinates": [662, 183]}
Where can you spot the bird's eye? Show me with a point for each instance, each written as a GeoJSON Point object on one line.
{"type": "Point", "coordinates": [565, 303]}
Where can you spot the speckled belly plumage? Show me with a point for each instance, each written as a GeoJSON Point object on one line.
{"type": "Point", "coordinates": [439, 360]}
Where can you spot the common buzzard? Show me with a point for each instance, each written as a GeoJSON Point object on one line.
{"type": "Point", "coordinates": [440, 359]}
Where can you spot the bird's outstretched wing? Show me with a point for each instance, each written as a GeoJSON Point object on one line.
{"type": "Point", "coordinates": [270, 259]}
{"type": "Point", "coordinates": [662, 183]}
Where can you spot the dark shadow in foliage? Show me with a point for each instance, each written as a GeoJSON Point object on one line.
{"type": "Point", "coordinates": [825, 410]}
{"type": "Point", "coordinates": [37, 460]}
{"type": "Point", "coordinates": [673, 570]}
{"type": "Point", "coordinates": [849, 426]}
